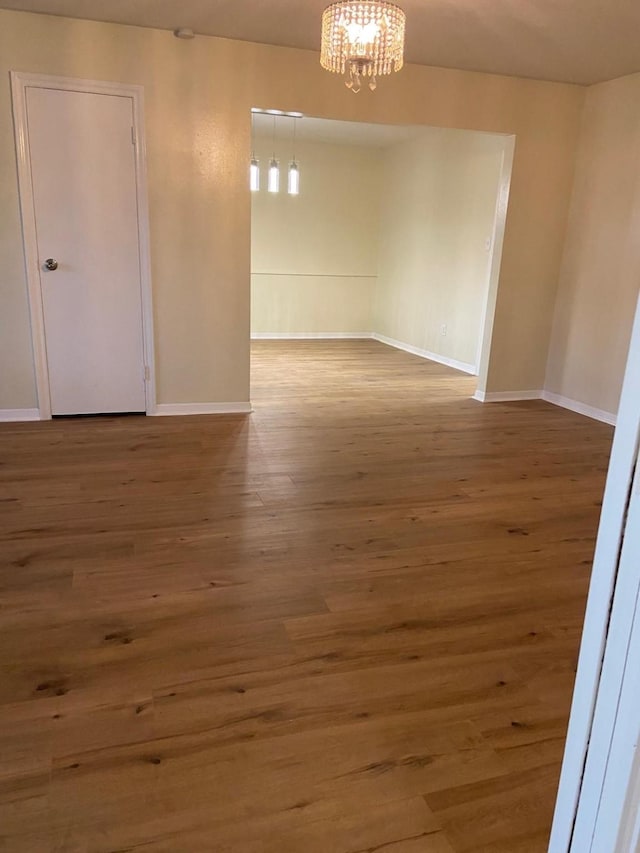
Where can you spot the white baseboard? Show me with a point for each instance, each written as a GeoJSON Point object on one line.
{"type": "Point", "coordinates": [506, 396]}
{"type": "Point", "coordinates": [423, 353]}
{"type": "Point", "coordinates": [303, 336]}
{"type": "Point", "coordinates": [580, 408]}
{"type": "Point", "coordinates": [19, 415]}
{"type": "Point", "coordinates": [202, 409]}
{"type": "Point", "coordinates": [549, 397]}
{"type": "Point", "coordinates": [383, 339]}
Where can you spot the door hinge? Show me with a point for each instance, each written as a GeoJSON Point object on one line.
{"type": "Point", "coordinates": [133, 135]}
{"type": "Point", "coordinates": [147, 373]}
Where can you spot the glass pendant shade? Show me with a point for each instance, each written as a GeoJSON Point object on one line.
{"type": "Point", "coordinates": [254, 175]}
{"type": "Point", "coordinates": [273, 182]}
{"type": "Point", "coordinates": [294, 178]}
{"type": "Point", "coordinates": [362, 40]}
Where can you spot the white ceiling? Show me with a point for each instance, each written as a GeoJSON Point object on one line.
{"type": "Point", "coordinates": [578, 41]}
{"type": "Point", "coordinates": [333, 132]}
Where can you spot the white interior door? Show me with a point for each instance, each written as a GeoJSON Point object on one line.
{"type": "Point", "coordinates": [83, 172]}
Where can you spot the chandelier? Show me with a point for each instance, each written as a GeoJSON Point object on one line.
{"type": "Point", "coordinates": [362, 39]}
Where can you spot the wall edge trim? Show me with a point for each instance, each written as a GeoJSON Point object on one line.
{"type": "Point", "coordinates": [424, 353]}
{"type": "Point", "coordinates": [302, 336]}
{"type": "Point", "coordinates": [580, 408]}
{"type": "Point", "coordinates": [549, 397]}
{"type": "Point", "coordinates": [506, 396]}
{"type": "Point", "coordinates": [162, 409]}
{"type": "Point", "coordinates": [9, 415]}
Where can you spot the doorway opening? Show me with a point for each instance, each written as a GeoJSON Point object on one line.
{"type": "Point", "coordinates": [395, 235]}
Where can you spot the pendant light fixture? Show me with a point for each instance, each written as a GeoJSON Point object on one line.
{"type": "Point", "coordinates": [362, 39]}
{"type": "Point", "coordinates": [273, 171]}
{"type": "Point", "coordinates": [254, 175]}
{"type": "Point", "coordinates": [273, 178]}
{"type": "Point", "coordinates": [254, 165]}
{"type": "Point", "coordinates": [294, 168]}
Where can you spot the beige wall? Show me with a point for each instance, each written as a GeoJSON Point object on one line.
{"type": "Point", "coordinates": [294, 304]}
{"type": "Point", "coordinates": [600, 276]}
{"type": "Point", "coordinates": [198, 98]}
{"type": "Point", "coordinates": [440, 192]}
{"type": "Point", "coordinates": [314, 256]}
{"type": "Point", "coordinates": [417, 213]}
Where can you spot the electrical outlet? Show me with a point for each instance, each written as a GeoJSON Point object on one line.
{"type": "Point", "coordinates": [443, 329]}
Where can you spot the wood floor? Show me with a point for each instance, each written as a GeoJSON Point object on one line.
{"type": "Point", "coordinates": [346, 623]}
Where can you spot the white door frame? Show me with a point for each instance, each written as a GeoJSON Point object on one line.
{"type": "Point", "coordinates": [607, 815]}
{"type": "Point", "coordinates": [494, 266]}
{"type": "Point", "coordinates": [20, 81]}
{"type": "Point", "coordinates": [594, 778]}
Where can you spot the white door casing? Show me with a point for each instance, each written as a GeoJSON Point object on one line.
{"type": "Point", "coordinates": [592, 782]}
{"type": "Point", "coordinates": [607, 814]}
{"type": "Point", "coordinates": [84, 194]}
{"type": "Point", "coordinates": [83, 199]}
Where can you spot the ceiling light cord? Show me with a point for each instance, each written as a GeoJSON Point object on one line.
{"type": "Point", "coordinates": [294, 140]}
{"type": "Point", "coordinates": [273, 175]}
{"type": "Point", "coordinates": [273, 155]}
{"type": "Point", "coordinates": [293, 186]}
{"type": "Point", "coordinates": [253, 138]}
{"type": "Point", "coordinates": [254, 164]}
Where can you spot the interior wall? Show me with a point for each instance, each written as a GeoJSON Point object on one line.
{"type": "Point", "coordinates": [600, 274]}
{"type": "Point", "coordinates": [198, 97]}
{"type": "Point", "coordinates": [314, 256]}
{"type": "Point", "coordinates": [418, 213]}
{"type": "Point", "coordinates": [440, 192]}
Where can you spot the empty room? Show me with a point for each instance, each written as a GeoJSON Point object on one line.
{"type": "Point", "coordinates": [319, 427]}
{"type": "Point", "coordinates": [374, 232]}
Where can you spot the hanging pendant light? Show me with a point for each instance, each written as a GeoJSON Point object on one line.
{"type": "Point", "coordinates": [294, 168]}
{"type": "Point", "coordinates": [294, 178]}
{"type": "Point", "coordinates": [362, 39]}
{"type": "Point", "coordinates": [273, 181]}
{"type": "Point", "coordinates": [254, 175]}
{"type": "Point", "coordinates": [273, 177]}
{"type": "Point", "coordinates": [254, 165]}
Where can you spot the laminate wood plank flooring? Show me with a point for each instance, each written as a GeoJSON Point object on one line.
{"type": "Point", "coordinates": [346, 623]}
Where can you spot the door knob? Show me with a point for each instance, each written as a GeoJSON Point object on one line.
{"type": "Point", "coordinates": [51, 264]}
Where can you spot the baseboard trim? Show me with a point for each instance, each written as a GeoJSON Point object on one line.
{"type": "Point", "coordinates": [506, 396]}
{"type": "Point", "coordinates": [202, 409]}
{"type": "Point", "coordinates": [383, 339]}
{"type": "Point", "coordinates": [303, 336]}
{"type": "Point", "coordinates": [580, 408]}
{"type": "Point", "coordinates": [10, 415]}
{"type": "Point", "coordinates": [424, 353]}
{"type": "Point", "coordinates": [549, 397]}
{"type": "Point", "coordinates": [482, 396]}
